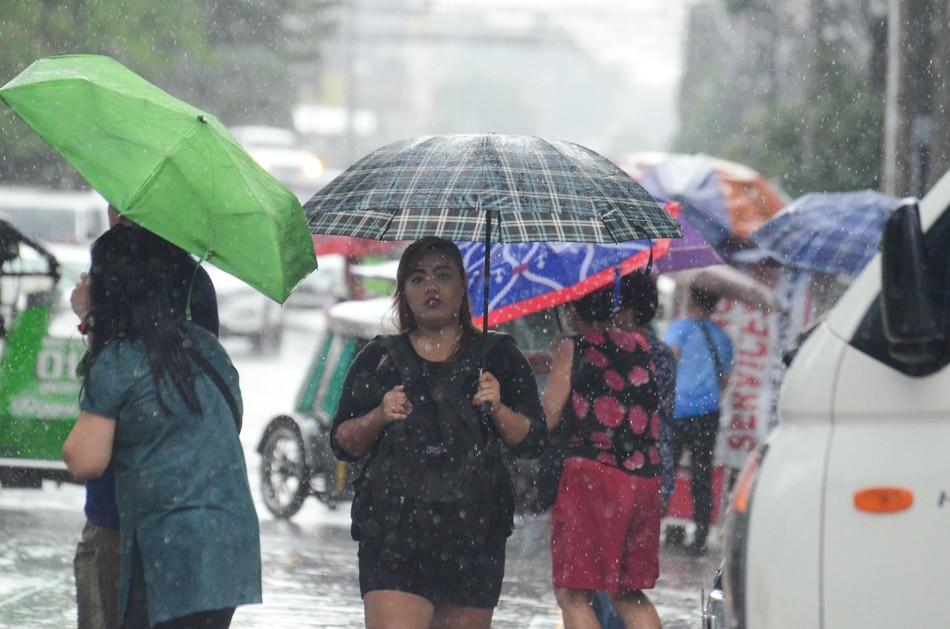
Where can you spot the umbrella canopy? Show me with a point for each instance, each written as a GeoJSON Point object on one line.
{"type": "Point", "coordinates": [723, 200]}
{"type": "Point", "coordinates": [835, 233]}
{"type": "Point", "coordinates": [167, 166]}
{"type": "Point", "coordinates": [529, 277]}
{"type": "Point", "coordinates": [531, 189]}
{"type": "Point", "coordinates": [730, 283]}
{"type": "Point", "coordinates": [689, 252]}
{"type": "Point", "coordinates": [535, 190]}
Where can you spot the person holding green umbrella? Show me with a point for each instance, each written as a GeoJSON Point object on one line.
{"type": "Point", "coordinates": [96, 562]}
{"type": "Point", "coordinates": [160, 399]}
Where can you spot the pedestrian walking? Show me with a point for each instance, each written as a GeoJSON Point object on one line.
{"type": "Point", "coordinates": [639, 300]}
{"type": "Point", "coordinates": [434, 502]}
{"type": "Point", "coordinates": [160, 398]}
{"type": "Point", "coordinates": [704, 361]}
{"type": "Point", "coordinates": [96, 561]}
{"type": "Point", "coordinates": [605, 523]}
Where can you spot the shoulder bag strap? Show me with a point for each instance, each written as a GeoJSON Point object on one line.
{"type": "Point", "coordinates": [712, 350]}
{"type": "Point", "coordinates": [219, 382]}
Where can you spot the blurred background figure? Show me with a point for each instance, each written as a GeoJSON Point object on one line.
{"type": "Point", "coordinates": [704, 356]}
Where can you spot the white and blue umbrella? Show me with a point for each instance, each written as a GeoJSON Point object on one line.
{"type": "Point", "coordinates": [525, 278]}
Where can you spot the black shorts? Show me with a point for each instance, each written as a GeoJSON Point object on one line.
{"type": "Point", "coordinates": [468, 579]}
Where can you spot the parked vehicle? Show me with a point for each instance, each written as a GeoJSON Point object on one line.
{"type": "Point", "coordinates": [295, 448]}
{"type": "Point", "coordinates": [280, 153]}
{"type": "Point", "coordinates": [39, 386]}
{"type": "Point", "coordinates": [59, 216]}
{"type": "Point", "coordinates": [840, 519]}
{"type": "Point", "coordinates": [322, 288]}
{"type": "Point", "coordinates": [247, 313]}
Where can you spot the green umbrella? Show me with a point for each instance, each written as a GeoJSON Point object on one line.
{"type": "Point", "coordinates": [167, 166]}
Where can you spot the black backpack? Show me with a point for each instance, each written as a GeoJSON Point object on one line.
{"type": "Point", "coordinates": [437, 477]}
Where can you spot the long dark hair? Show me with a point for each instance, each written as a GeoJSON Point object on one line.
{"type": "Point", "coordinates": [135, 293]}
{"type": "Point", "coordinates": [405, 320]}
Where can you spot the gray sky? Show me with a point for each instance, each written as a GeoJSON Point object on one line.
{"type": "Point", "coordinates": [644, 36]}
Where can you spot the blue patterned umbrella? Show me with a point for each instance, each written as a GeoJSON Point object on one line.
{"type": "Point", "coordinates": [531, 189]}
{"type": "Point", "coordinates": [530, 277]}
{"type": "Point", "coordinates": [834, 233]}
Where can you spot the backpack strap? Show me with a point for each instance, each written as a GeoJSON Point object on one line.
{"type": "Point", "coordinates": [404, 358]}
{"type": "Point", "coordinates": [720, 374]}
{"type": "Point", "coordinates": [413, 376]}
{"type": "Point", "coordinates": [712, 346]}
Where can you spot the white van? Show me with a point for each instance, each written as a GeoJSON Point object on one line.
{"type": "Point", "coordinates": [842, 518]}
{"type": "Point", "coordinates": [55, 216]}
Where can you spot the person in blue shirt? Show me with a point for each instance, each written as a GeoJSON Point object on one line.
{"type": "Point", "coordinates": [704, 355]}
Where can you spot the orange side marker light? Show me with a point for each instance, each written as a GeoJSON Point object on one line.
{"type": "Point", "coordinates": [883, 499]}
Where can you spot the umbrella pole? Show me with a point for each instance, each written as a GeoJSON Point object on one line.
{"type": "Point", "coordinates": [485, 407]}
{"type": "Point", "coordinates": [485, 283]}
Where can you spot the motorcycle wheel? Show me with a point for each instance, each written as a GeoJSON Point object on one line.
{"type": "Point", "coordinates": [285, 478]}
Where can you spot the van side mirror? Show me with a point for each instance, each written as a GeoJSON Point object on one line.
{"type": "Point", "coordinates": [912, 325]}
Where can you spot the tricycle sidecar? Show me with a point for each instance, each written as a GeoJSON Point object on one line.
{"type": "Point", "coordinates": [39, 385]}
{"type": "Point", "coordinates": [295, 448]}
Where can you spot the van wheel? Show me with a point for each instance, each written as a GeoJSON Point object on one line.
{"type": "Point", "coordinates": [285, 478]}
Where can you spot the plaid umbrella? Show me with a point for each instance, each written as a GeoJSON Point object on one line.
{"type": "Point", "coordinates": [835, 233]}
{"type": "Point", "coordinates": [531, 189]}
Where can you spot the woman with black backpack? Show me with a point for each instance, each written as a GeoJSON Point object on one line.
{"type": "Point", "coordinates": [434, 503]}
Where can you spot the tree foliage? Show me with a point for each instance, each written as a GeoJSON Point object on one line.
{"type": "Point", "coordinates": [233, 58]}
{"type": "Point", "coordinates": [831, 144]}
{"type": "Point", "coordinates": [845, 125]}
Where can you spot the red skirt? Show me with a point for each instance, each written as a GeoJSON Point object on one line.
{"type": "Point", "coordinates": [605, 529]}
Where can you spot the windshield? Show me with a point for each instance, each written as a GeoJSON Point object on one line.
{"type": "Point", "coordinates": [56, 225]}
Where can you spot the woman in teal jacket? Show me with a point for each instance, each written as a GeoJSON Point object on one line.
{"type": "Point", "coordinates": [161, 397]}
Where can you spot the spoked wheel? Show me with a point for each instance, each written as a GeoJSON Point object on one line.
{"type": "Point", "coordinates": [285, 478]}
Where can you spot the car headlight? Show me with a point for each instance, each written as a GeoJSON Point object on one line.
{"type": "Point", "coordinates": [312, 167]}
{"type": "Point", "coordinates": [735, 538]}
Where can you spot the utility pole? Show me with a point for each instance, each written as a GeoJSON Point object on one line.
{"type": "Point", "coordinates": [350, 39]}
{"type": "Point", "coordinates": [941, 124]}
{"type": "Point", "coordinates": [910, 89]}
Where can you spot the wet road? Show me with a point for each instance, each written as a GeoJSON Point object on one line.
{"type": "Point", "coordinates": [310, 576]}
{"type": "Point", "coordinates": [310, 571]}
